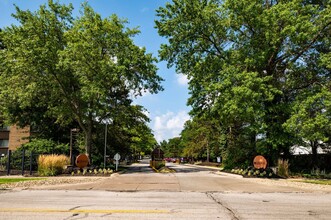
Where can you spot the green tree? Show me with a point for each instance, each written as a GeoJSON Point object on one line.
{"type": "Point", "coordinates": [81, 70]}
{"type": "Point", "coordinates": [203, 138]}
{"type": "Point", "coordinates": [29, 61]}
{"type": "Point", "coordinates": [142, 140]}
{"type": "Point", "coordinates": [172, 148]}
{"type": "Point", "coordinates": [310, 120]}
{"type": "Point", "coordinates": [247, 62]}
{"type": "Point", "coordinates": [127, 134]}
{"type": "Point", "coordinates": [102, 56]}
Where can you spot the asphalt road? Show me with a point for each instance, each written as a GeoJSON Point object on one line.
{"type": "Point", "coordinates": [190, 193]}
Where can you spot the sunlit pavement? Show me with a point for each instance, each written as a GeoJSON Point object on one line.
{"type": "Point", "coordinates": [190, 193]}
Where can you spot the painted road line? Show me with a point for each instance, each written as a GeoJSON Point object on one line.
{"type": "Point", "coordinates": [85, 211]}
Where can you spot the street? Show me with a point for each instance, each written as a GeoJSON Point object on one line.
{"type": "Point", "coordinates": [190, 193]}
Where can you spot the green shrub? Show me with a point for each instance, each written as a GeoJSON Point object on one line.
{"type": "Point", "coordinates": [51, 165]}
{"type": "Point", "coordinates": [3, 163]}
{"type": "Point", "coordinates": [159, 165]}
{"type": "Point", "coordinates": [41, 146]}
{"type": "Point", "coordinates": [253, 172]}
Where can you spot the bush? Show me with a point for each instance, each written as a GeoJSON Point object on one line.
{"type": "Point", "coordinates": [253, 172]}
{"type": "Point", "coordinates": [3, 163]}
{"type": "Point", "coordinates": [41, 146]}
{"type": "Point", "coordinates": [157, 164]}
{"type": "Point", "coordinates": [16, 160]}
{"type": "Point", "coordinates": [51, 165]}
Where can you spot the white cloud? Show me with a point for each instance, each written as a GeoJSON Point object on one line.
{"type": "Point", "coordinates": [169, 125]}
{"type": "Point", "coordinates": [182, 79]}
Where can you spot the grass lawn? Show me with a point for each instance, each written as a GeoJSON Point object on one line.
{"type": "Point", "coordinates": [322, 182]}
{"type": "Point", "coordinates": [14, 180]}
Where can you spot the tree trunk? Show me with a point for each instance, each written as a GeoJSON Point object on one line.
{"type": "Point", "coordinates": [88, 141]}
{"type": "Point", "coordinates": [314, 145]}
{"type": "Point", "coordinates": [88, 136]}
{"type": "Point", "coordinates": [208, 153]}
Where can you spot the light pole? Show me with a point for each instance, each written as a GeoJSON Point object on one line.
{"type": "Point", "coordinates": [71, 131]}
{"type": "Point", "coordinates": [106, 121]}
{"type": "Point", "coordinates": [105, 150]}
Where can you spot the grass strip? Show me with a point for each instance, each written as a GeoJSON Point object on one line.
{"type": "Point", "coordinates": [321, 182]}
{"type": "Point", "coordinates": [14, 180]}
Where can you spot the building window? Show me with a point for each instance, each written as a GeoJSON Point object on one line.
{"type": "Point", "coordinates": [4, 127]}
{"type": "Point", "coordinates": [4, 143]}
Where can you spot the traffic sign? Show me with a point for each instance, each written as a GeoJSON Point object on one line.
{"type": "Point", "coordinates": [117, 156]}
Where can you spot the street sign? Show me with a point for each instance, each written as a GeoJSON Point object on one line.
{"type": "Point", "coordinates": [117, 157]}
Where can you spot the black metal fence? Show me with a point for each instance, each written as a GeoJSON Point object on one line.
{"type": "Point", "coordinates": [19, 163]}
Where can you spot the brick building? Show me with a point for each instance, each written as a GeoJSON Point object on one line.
{"type": "Point", "coordinates": [11, 137]}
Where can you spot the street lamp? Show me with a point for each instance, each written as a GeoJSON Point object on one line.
{"type": "Point", "coordinates": [105, 150]}
{"type": "Point", "coordinates": [106, 121]}
{"type": "Point", "coordinates": [71, 131]}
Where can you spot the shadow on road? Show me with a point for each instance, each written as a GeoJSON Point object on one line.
{"type": "Point", "coordinates": [143, 167]}
{"type": "Point", "coordinates": [188, 168]}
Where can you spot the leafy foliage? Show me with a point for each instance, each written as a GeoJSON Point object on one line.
{"type": "Point", "coordinates": [68, 71]}
{"type": "Point", "coordinates": [255, 66]}
{"type": "Point", "coordinates": [44, 146]}
{"type": "Point", "coordinates": [202, 138]}
{"type": "Point", "coordinates": [172, 148]}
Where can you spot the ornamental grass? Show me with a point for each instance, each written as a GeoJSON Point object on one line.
{"type": "Point", "coordinates": [52, 165]}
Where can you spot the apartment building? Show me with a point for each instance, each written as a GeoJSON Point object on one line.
{"type": "Point", "coordinates": [11, 137]}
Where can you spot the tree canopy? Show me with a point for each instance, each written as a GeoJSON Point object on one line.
{"type": "Point", "coordinates": [82, 70]}
{"type": "Point", "coordinates": [258, 67]}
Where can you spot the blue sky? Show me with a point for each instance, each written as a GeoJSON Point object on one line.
{"type": "Point", "coordinates": [167, 110]}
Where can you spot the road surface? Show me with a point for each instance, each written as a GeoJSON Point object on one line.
{"type": "Point", "coordinates": [190, 193]}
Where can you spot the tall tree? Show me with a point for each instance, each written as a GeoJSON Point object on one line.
{"type": "Point", "coordinates": [108, 67]}
{"type": "Point", "coordinates": [83, 70]}
{"type": "Point", "coordinates": [202, 137]}
{"type": "Point", "coordinates": [173, 147]}
{"type": "Point", "coordinates": [28, 90]}
{"type": "Point", "coordinates": [245, 60]}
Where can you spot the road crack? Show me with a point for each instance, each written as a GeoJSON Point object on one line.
{"type": "Point", "coordinates": [223, 205]}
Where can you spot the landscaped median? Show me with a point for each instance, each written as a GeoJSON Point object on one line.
{"type": "Point", "coordinates": [159, 167]}
{"type": "Point", "coordinates": [157, 164]}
